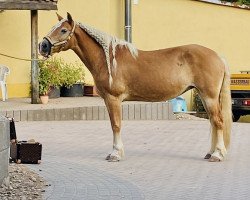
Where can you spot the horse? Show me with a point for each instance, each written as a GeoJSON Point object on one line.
{"type": "Point", "coordinates": [122, 72]}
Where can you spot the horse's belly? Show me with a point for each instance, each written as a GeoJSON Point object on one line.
{"type": "Point", "coordinates": [155, 94]}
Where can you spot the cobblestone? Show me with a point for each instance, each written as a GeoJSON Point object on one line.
{"type": "Point", "coordinates": [164, 160]}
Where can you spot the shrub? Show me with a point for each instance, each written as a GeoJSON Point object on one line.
{"type": "Point", "coordinates": [197, 104]}
{"type": "Point", "coordinates": [71, 74]}
{"type": "Point", "coordinates": [54, 72]}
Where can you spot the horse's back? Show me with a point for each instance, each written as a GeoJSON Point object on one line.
{"type": "Point", "coordinates": [166, 73]}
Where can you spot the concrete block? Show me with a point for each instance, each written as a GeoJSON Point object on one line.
{"type": "Point", "coordinates": [66, 114]}
{"type": "Point", "coordinates": [170, 111]}
{"type": "Point", "coordinates": [137, 111]}
{"type": "Point", "coordinates": [101, 112]}
{"type": "Point", "coordinates": [143, 111]}
{"type": "Point", "coordinates": [36, 115]}
{"type": "Point", "coordinates": [57, 114]}
{"type": "Point", "coordinates": [89, 113]}
{"type": "Point", "coordinates": [95, 113]}
{"type": "Point", "coordinates": [83, 113]}
{"type": "Point", "coordinates": [106, 113]}
{"type": "Point", "coordinates": [17, 115]}
{"type": "Point", "coordinates": [125, 112]}
{"type": "Point", "coordinates": [165, 110]}
{"type": "Point", "coordinates": [41, 115]}
{"type": "Point", "coordinates": [131, 111]}
{"type": "Point", "coordinates": [24, 115]}
{"type": "Point", "coordinates": [148, 111]}
{"type": "Point", "coordinates": [154, 111]}
{"type": "Point", "coordinates": [159, 111]}
{"type": "Point", "coordinates": [31, 115]}
{"type": "Point", "coordinates": [49, 115]}
{"type": "Point", "coordinates": [4, 148]}
{"type": "Point", "coordinates": [76, 113]}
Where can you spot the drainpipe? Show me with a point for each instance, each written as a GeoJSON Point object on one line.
{"type": "Point", "coordinates": [128, 21]}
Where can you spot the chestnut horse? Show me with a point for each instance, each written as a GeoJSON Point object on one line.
{"type": "Point", "coordinates": [123, 73]}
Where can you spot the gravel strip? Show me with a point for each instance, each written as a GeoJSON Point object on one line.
{"type": "Point", "coordinates": [24, 184]}
{"type": "Point", "coordinates": [185, 116]}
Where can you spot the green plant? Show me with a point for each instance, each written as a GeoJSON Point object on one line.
{"type": "Point", "coordinates": [55, 72]}
{"type": "Point", "coordinates": [239, 2]}
{"type": "Point", "coordinates": [49, 74]}
{"type": "Point", "coordinates": [197, 104]}
{"type": "Point", "coordinates": [72, 73]}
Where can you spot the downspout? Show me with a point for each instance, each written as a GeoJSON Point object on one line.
{"type": "Point", "coordinates": [128, 21]}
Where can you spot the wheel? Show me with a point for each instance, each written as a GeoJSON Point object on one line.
{"type": "Point", "coordinates": [236, 117]}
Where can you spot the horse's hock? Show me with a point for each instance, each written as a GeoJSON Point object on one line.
{"type": "Point", "coordinates": [4, 150]}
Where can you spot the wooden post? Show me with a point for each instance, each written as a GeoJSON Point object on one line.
{"type": "Point", "coordinates": [34, 55]}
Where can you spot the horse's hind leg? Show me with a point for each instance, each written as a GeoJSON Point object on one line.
{"type": "Point", "coordinates": [218, 149]}
{"type": "Point", "coordinates": [213, 142]}
{"type": "Point", "coordinates": [113, 105]}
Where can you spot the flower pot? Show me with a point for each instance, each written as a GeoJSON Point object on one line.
{"type": "Point", "coordinates": [54, 92]}
{"type": "Point", "coordinates": [44, 99]}
{"type": "Point", "coordinates": [73, 91]}
{"type": "Point", "coordinates": [90, 90]}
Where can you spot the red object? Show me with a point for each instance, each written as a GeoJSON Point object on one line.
{"type": "Point", "coordinates": [246, 102]}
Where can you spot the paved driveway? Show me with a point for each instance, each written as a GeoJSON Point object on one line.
{"type": "Point", "coordinates": [164, 160]}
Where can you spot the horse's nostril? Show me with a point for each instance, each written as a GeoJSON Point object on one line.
{"type": "Point", "coordinates": [44, 45]}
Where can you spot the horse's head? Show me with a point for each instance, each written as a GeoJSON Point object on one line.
{"type": "Point", "coordinates": [59, 38]}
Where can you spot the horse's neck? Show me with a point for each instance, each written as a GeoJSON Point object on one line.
{"type": "Point", "coordinates": [90, 52]}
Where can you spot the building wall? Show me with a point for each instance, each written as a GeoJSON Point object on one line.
{"type": "Point", "coordinates": [156, 24]}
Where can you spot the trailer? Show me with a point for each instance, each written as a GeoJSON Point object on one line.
{"type": "Point", "coordinates": [240, 93]}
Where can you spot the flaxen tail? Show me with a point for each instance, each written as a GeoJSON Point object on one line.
{"type": "Point", "coordinates": [226, 106]}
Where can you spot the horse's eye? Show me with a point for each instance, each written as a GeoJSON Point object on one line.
{"type": "Point", "coordinates": [64, 30]}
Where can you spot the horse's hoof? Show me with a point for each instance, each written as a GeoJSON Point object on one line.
{"type": "Point", "coordinates": [208, 156]}
{"type": "Point", "coordinates": [114, 159]}
{"type": "Point", "coordinates": [108, 157]}
{"type": "Point", "coordinates": [214, 159]}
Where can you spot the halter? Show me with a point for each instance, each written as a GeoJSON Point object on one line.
{"type": "Point", "coordinates": [60, 44]}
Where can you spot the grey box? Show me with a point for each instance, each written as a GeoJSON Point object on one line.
{"type": "Point", "coordinates": [4, 148]}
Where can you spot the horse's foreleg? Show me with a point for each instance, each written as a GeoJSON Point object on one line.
{"type": "Point", "coordinates": [114, 108]}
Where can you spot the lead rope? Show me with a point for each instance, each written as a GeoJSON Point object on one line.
{"type": "Point", "coordinates": [23, 59]}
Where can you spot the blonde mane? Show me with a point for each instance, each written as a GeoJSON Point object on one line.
{"type": "Point", "coordinates": [106, 40]}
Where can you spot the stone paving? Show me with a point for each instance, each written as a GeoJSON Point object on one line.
{"type": "Point", "coordinates": [164, 160]}
{"type": "Point", "coordinates": [82, 108]}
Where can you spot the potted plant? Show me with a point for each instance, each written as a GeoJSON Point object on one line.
{"type": "Point", "coordinates": [55, 65]}
{"type": "Point", "coordinates": [49, 78]}
{"type": "Point", "coordinates": [44, 82]}
{"type": "Point", "coordinates": [72, 77]}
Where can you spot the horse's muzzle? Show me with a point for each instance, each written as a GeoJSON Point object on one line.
{"type": "Point", "coordinates": [45, 47]}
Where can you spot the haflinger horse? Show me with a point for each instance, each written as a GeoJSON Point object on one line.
{"type": "Point", "coordinates": [121, 72]}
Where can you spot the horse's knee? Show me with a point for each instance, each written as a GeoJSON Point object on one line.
{"type": "Point", "coordinates": [116, 128]}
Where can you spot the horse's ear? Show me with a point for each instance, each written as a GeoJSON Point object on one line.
{"type": "Point", "coordinates": [59, 17]}
{"type": "Point", "coordinates": [69, 18]}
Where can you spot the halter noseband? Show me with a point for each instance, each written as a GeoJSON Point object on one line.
{"type": "Point", "coordinates": [61, 44]}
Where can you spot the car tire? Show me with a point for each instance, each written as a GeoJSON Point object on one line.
{"type": "Point", "coordinates": [236, 117]}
